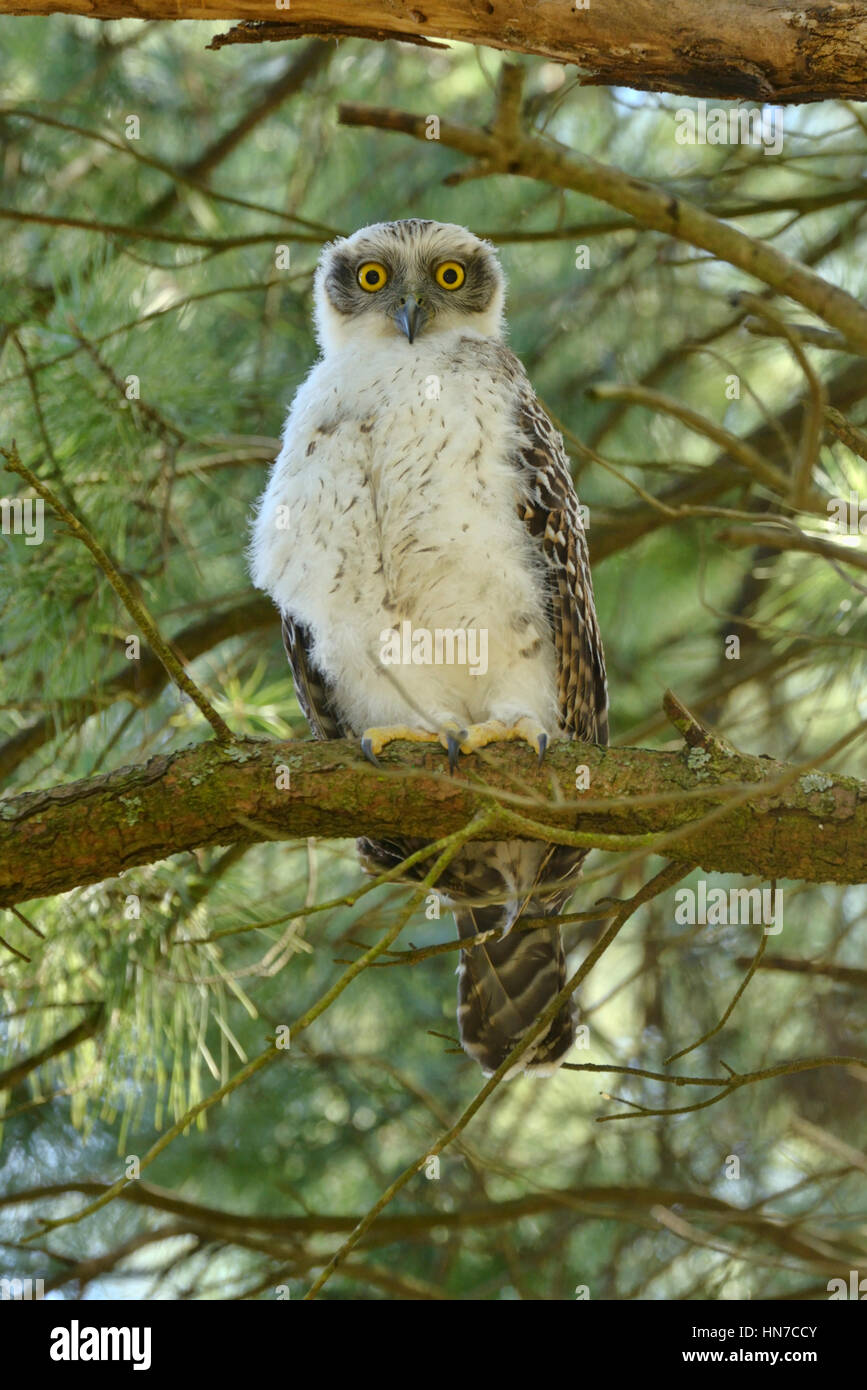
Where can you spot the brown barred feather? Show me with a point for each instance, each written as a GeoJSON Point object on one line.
{"type": "Point", "coordinates": [310, 688]}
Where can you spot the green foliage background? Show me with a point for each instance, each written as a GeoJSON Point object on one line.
{"type": "Point", "coordinates": [219, 338]}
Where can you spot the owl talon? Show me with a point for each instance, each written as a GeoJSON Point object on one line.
{"type": "Point", "coordinates": [527, 730]}
{"type": "Point", "coordinates": [367, 750]}
{"type": "Point", "coordinates": [374, 740]}
{"type": "Point", "coordinates": [451, 736]}
{"type": "Point", "coordinates": [453, 746]}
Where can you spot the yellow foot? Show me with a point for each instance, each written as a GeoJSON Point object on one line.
{"type": "Point", "coordinates": [455, 738]}
{"type": "Point", "coordinates": [495, 731]}
{"type": "Point", "coordinates": [374, 740]}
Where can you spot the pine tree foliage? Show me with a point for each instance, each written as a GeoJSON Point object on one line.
{"type": "Point", "coordinates": [152, 338]}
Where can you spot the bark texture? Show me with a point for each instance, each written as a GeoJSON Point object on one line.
{"type": "Point", "coordinates": [731, 49]}
{"type": "Point", "coordinates": [784, 822]}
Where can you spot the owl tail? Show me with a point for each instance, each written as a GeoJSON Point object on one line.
{"type": "Point", "coordinates": [505, 984]}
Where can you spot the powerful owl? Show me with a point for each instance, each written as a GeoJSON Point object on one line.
{"type": "Point", "coordinates": [421, 537]}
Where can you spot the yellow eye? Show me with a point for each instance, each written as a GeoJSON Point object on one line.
{"type": "Point", "coordinates": [450, 275]}
{"type": "Point", "coordinates": [372, 276]}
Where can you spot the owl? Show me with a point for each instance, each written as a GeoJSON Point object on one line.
{"type": "Point", "coordinates": [421, 538]}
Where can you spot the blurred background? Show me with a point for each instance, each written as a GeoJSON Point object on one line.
{"type": "Point", "coordinates": [162, 211]}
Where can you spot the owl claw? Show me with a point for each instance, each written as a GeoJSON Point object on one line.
{"type": "Point", "coordinates": [452, 736]}
{"type": "Point", "coordinates": [367, 750]}
{"type": "Point", "coordinates": [526, 730]}
{"type": "Point", "coordinates": [453, 747]}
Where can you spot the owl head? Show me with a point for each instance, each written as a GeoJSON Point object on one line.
{"type": "Point", "coordinates": [403, 281]}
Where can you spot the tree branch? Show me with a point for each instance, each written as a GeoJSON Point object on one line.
{"type": "Point", "coordinates": [131, 601]}
{"type": "Point", "coordinates": [87, 1028]}
{"type": "Point", "coordinates": [723, 810]}
{"type": "Point", "coordinates": [632, 1201]}
{"type": "Point", "coordinates": [735, 48]}
{"type": "Point", "coordinates": [545, 160]}
{"type": "Point", "coordinates": [140, 682]}
{"type": "Point", "coordinates": [793, 538]}
{"type": "Point", "coordinates": [616, 530]}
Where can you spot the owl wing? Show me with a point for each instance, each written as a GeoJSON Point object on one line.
{"type": "Point", "coordinates": [310, 687]}
{"type": "Point", "coordinates": [548, 506]}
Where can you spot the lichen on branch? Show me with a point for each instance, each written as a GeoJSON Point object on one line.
{"type": "Point", "coordinates": [733, 813]}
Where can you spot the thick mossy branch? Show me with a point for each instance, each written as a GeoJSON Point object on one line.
{"type": "Point", "coordinates": [718, 808]}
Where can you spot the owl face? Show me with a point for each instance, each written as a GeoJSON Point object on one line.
{"type": "Point", "coordinates": [402, 281]}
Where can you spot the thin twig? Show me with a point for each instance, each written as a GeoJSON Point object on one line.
{"type": "Point", "coordinates": [452, 845]}
{"type": "Point", "coordinates": [133, 604]}
{"type": "Point", "coordinates": [668, 876]}
{"type": "Point", "coordinates": [718, 1027]}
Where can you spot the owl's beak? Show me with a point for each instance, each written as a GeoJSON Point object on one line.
{"type": "Point", "coordinates": [410, 317]}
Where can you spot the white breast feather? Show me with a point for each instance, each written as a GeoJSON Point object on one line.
{"type": "Point", "coordinates": [403, 506]}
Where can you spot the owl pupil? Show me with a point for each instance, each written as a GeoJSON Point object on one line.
{"type": "Point", "coordinates": [372, 276]}
{"type": "Point", "coordinates": [450, 276]}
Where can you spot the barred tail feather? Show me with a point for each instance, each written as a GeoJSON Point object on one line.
{"type": "Point", "coordinates": [504, 984]}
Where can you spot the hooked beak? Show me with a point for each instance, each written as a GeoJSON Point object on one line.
{"type": "Point", "coordinates": [410, 317]}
